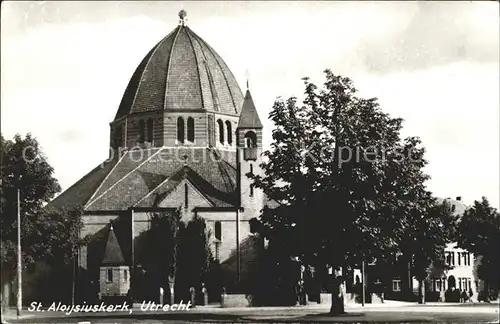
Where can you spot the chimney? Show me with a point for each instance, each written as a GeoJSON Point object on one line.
{"type": "Point", "coordinates": [459, 198]}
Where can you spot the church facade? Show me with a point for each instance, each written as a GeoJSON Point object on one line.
{"type": "Point", "coordinates": [184, 139]}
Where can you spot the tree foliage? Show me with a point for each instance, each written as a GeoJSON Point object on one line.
{"type": "Point", "coordinates": [48, 235]}
{"type": "Point", "coordinates": [194, 255]}
{"type": "Point", "coordinates": [479, 233]}
{"type": "Point", "coordinates": [348, 185]}
{"type": "Point", "coordinates": [160, 248]}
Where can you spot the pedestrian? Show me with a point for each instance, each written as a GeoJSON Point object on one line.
{"type": "Point", "coordinates": [470, 295]}
{"type": "Point", "coordinates": [463, 296]}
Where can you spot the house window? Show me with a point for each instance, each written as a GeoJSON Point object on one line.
{"type": "Point", "coordinates": [186, 194]}
{"type": "Point", "coordinates": [229, 132]}
{"type": "Point", "coordinates": [142, 131]}
{"type": "Point", "coordinates": [125, 275]}
{"type": "Point", "coordinates": [190, 129]}
{"type": "Point", "coordinates": [468, 258]}
{"type": "Point", "coordinates": [218, 230]}
{"type": "Point", "coordinates": [450, 258]}
{"type": "Point", "coordinates": [110, 275]}
{"type": "Point", "coordinates": [221, 131]}
{"type": "Point", "coordinates": [251, 190]}
{"type": "Point", "coordinates": [250, 139]}
{"type": "Point", "coordinates": [251, 168]}
{"type": "Point", "coordinates": [459, 259]}
{"type": "Point", "coordinates": [180, 130]}
{"type": "Point", "coordinates": [150, 130]}
{"type": "Point", "coordinates": [438, 284]}
{"type": "Point", "coordinates": [396, 285]}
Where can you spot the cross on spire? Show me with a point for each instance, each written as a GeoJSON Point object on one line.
{"type": "Point", "coordinates": [247, 75]}
{"type": "Point", "coordinates": [182, 16]}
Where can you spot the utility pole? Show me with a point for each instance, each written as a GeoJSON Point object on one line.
{"type": "Point", "coordinates": [73, 279]}
{"type": "Point", "coordinates": [363, 292]}
{"type": "Point", "coordinates": [19, 259]}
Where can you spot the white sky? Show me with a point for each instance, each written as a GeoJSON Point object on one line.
{"type": "Point", "coordinates": [65, 65]}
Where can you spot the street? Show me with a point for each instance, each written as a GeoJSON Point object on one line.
{"type": "Point", "coordinates": [466, 313]}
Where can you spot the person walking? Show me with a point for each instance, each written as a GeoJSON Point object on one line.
{"type": "Point", "coordinates": [463, 296]}
{"type": "Point", "coordinates": [470, 295]}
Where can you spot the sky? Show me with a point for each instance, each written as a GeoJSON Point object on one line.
{"type": "Point", "coordinates": [65, 65]}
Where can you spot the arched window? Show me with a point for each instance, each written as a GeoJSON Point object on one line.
{"type": "Point", "coordinates": [250, 139]}
{"type": "Point", "coordinates": [150, 130]}
{"type": "Point", "coordinates": [142, 131]}
{"type": "Point", "coordinates": [190, 130]}
{"type": "Point", "coordinates": [218, 230]}
{"type": "Point", "coordinates": [118, 136]}
{"type": "Point", "coordinates": [180, 130]}
{"type": "Point", "coordinates": [229, 132]}
{"type": "Point", "coordinates": [221, 131]}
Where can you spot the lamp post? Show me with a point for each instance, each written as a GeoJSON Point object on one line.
{"type": "Point", "coordinates": [19, 260]}
{"type": "Point", "coordinates": [363, 289]}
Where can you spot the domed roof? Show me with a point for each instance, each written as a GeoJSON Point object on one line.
{"type": "Point", "coordinates": [182, 72]}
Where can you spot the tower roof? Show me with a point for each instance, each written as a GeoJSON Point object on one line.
{"type": "Point", "coordinates": [249, 118]}
{"type": "Point", "coordinates": [181, 72]}
{"type": "Point", "coordinates": [113, 254]}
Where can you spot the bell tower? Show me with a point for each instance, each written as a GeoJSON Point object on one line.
{"type": "Point", "coordinates": [249, 146]}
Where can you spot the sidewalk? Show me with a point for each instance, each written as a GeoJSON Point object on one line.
{"type": "Point", "coordinates": [10, 313]}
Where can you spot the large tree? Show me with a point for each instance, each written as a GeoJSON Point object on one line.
{"type": "Point", "coordinates": [51, 236]}
{"type": "Point", "coordinates": [479, 233]}
{"type": "Point", "coordinates": [430, 227]}
{"type": "Point", "coordinates": [347, 183]}
{"type": "Point", "coordinates": [194, 257]}
{"type": "Point", "coordinates": [159, 254]}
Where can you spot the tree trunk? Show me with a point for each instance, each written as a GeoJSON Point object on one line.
{"type": "Point", "coordinates": [486, 292]}
{"type": "Point", "coordinates": [337, 307]}
{"type": "Point", "coordinates": [421, 292]}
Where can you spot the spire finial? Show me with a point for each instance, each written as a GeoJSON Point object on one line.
{"type": "Point", "coordinates": [182, 16]}
{"type": "Point", "coordinates": [247, 74]}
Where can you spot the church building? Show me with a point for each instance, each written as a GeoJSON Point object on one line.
{"type": "Point", "coordinates": [184, 139]}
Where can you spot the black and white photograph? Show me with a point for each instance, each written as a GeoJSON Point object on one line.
{"type": "Point", "coordinates": [250, 162]}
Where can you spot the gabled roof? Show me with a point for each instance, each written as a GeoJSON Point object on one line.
{"type": "Point", "coordinates": [132, 179]}
{"type": "Point", "coordinates": [249, 118]}
{"type": "Point", "coordinates": [113, 254]}
{"type": "Point", "coordinates": [80, 192]}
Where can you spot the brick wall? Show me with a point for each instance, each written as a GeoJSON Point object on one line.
{"type": "Point", "coordinates": [120, 283]}
{"type": "Point", "coordinates": [233, 120]}
{"type": "Point", "coordinates": [170, 128]}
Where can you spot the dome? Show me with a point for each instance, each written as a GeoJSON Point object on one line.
{"type": "Point", "coordinates": [181, 73]}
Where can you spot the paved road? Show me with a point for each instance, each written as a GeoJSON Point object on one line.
{"type": "Point", "coordinates": [409, 314]}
